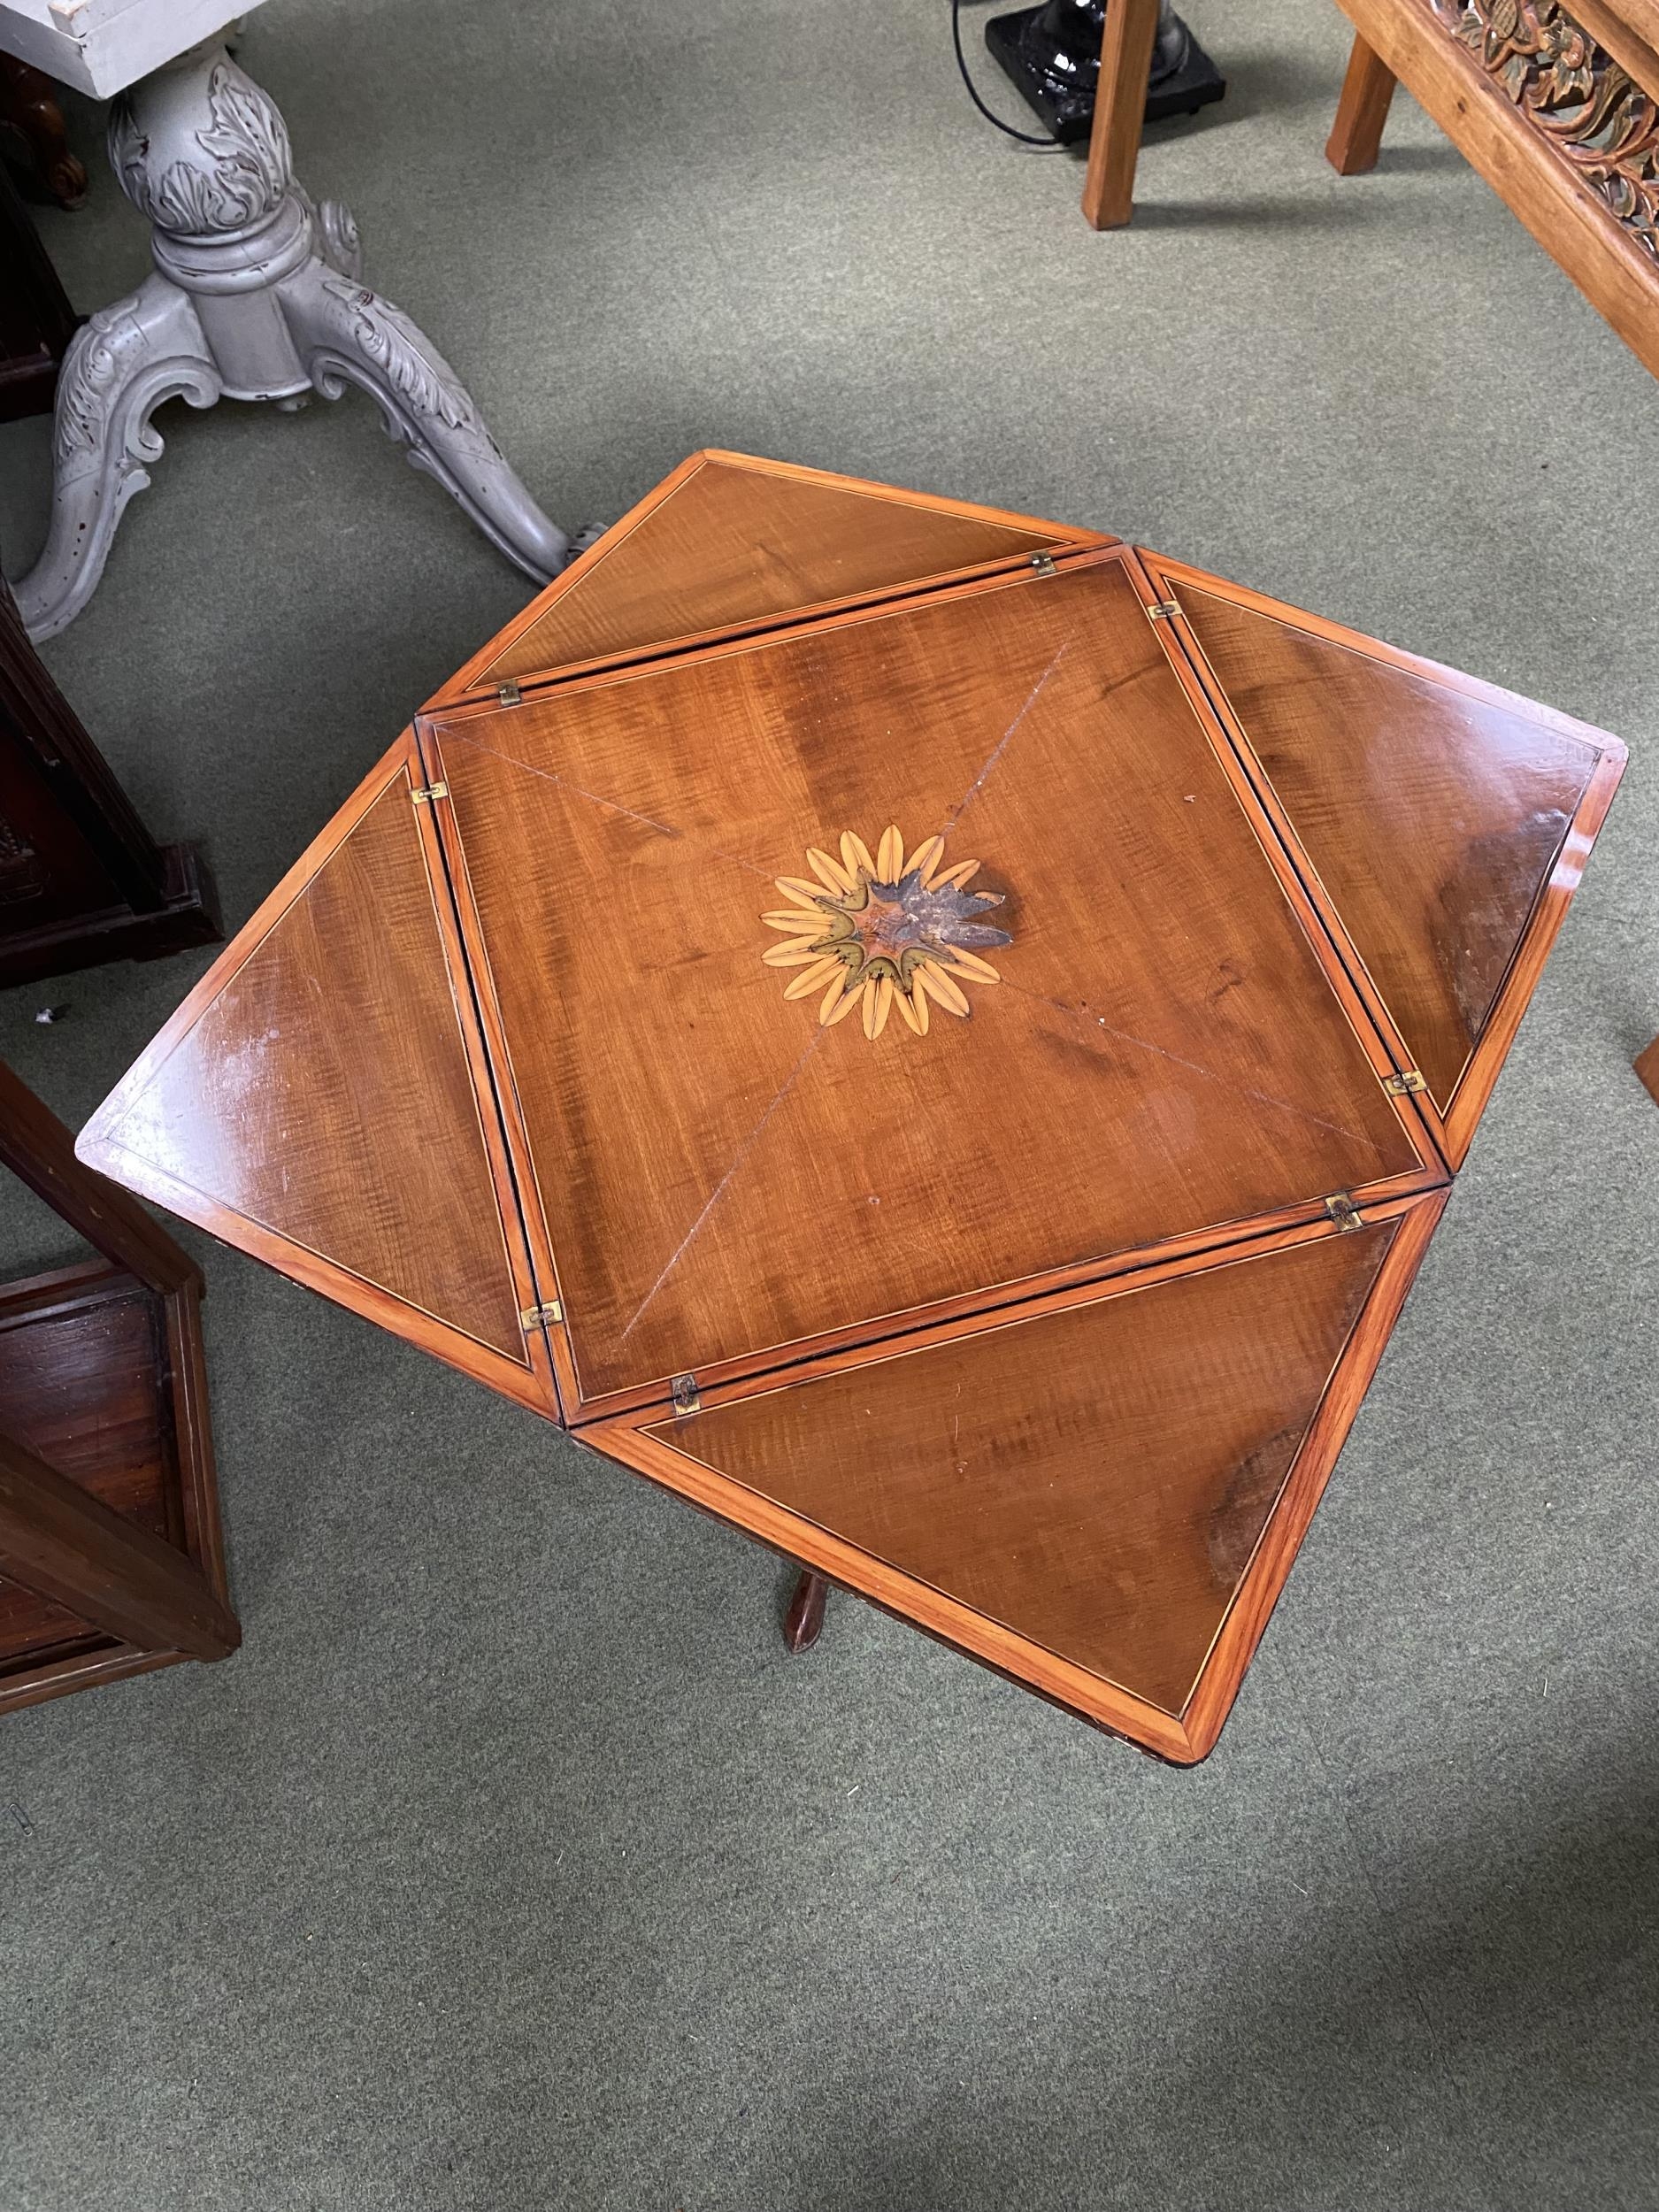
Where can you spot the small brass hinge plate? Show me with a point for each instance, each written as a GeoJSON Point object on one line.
{"type": "Point", "coordinates": [1398, 1085]}
{"type": "Point", "coordinates": [687, 1397]}
{"type": "Point", "coordinates": [510, 693]}
{"type": "Point", "coordinates": [423, 792]}
{"type": "Point", "coordinates": [1343, 1211]}
{"type": "Point", "coordinates": [537, 1316]}
{"type": "Point", "coordinates": [1043, 562]}
{"type": "Point", "coordinates": [1161, 609]}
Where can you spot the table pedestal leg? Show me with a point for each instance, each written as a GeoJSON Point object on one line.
{"type": "Point", "coordinates": [803, 1622]}
{"type": "Point", "coordinates": [257, 294]}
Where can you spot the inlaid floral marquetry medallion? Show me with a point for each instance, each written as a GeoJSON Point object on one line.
{"type": "Point", "coordinates": [884, 931]}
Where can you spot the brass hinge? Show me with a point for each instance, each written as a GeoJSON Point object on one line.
{"type": "Point", "coordinates": [510, 693]}
{"type": "Point", "coordinates": [536, 1316]}
{"type": "Point", "coordinates": [1161, 609]}
{"type": "Point", "coordinates": [687, 1397]}
{"type": "Point", "coordinates": [1343, 1211]}
{"type": "Point", "coordinates": [423, 792]}
{"type": "Point", "coordinates": [1398, 1085]}
{"type": "Point", "coordinates": [1043, 562]}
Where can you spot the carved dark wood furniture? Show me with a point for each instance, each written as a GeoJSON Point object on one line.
{"type": "Point", "coordinates": [939, 1037]}
{"type": "Point", "coordinates": [110, 1559]}
{"type": "Point", "coordinates": [36, 320]}
{"type": "Point", "coordinates": [1558, 111]}
{"type": "Point", "coordinates": [32, 127]}
{"type": "Point", "coordinates": [81, 879]}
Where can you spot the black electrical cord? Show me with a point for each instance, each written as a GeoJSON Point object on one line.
{"type": "Point", "coordinates": [1026, 138]}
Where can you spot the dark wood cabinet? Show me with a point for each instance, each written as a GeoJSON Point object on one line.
{"type": "Point", "coordinates": [81, 879]}
{"type": "Point", "coordinates": [36, 320]}
{"type": "Point", "coordinates": [110, 1558]}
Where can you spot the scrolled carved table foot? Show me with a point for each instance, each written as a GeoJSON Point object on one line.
{"type": "Point", "coordinates": [257, 294]}
{"type": "Point", "coordinates": [803, 1622]}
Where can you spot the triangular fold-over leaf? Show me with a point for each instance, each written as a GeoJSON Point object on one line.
{"type": "Point", "coordinates": [1096, 1480]}
{"type": "Point", "coordinates": [314, 1100]}
{"type": "Point", "coordinates": [1433, 815]}
{"type": "Point", "coordinates": [735, 541]}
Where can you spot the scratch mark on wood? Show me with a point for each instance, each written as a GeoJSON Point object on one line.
{"type": "Point", "coordinates": [721, 1188]}
{"type": "Point", "coordinates": [1006, 739]}
{"type": "Point", "coordinates": [611, 806]}
{"type": "Point", "coordinates": [1088, 1021]}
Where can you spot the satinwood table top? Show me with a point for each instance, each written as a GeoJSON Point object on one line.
{"type": "Point", "coordinates": [942, 1037]}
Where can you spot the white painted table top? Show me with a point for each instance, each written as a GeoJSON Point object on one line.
{"type": "Point", "coordinates": [102, 46]}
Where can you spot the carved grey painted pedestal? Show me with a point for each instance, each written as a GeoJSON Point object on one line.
{"type": "Point", "coordinates": [257, 294]}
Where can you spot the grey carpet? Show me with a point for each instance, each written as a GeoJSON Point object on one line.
{"type": "Point", "coordinates": [513, 1864]}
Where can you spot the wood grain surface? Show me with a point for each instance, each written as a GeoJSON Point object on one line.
{"type": "Point", "coordinates": [80, 1388]}
{"type": "Point", "coordinates": [729, 539]}
{"type": "Point", "coordinates": [1433, 814]}
{"type": "Point", "coordinates": [1100, 1497]}
{"type": "Point", "coordinates": [723, 1176]}
{"type": "Point", "coordinates": [316, 1090]}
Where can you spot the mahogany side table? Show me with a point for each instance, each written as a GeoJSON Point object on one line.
{"type": "Point", "coordinates": [939, 1037]}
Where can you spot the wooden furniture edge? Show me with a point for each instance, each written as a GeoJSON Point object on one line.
{"type": "Point", "coordinates": [1245, 1619]}
{"type": "Point", "coordinates": [526, 1176]}
{"type": "Point", "coordinates": [1630, 33]}
{"type": "Point", "coordinates": [1544, 925]}
{"type": "Point", "coordinates": [1568, 220]}
{"type": "Point", "coordinates": [87, 1671]}
{"type": "Point", "coordinates": [474, 672]}
{"type": "Point", "coordinates": [99, 1145]}
{"type": "Point", "coordinates": [1452, 1125]}
{"type": "Point", "coordinates": [1128, 36]}
{"type": "Point", "coordinates": [63, 1542]}
{"type": "Point", "coordinates": [987, 1305]}
{"type": "Point", "coordinates": [1303, 893]}
{"type": "Point", "coordinates": [1362, 111]}
{"type": "Point", "coordinates": [1332, 633]}
{"type": "Point", "coordinates": [1181, 1738]}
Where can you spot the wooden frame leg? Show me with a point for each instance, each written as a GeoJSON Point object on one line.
{"type": "Point", "coordinates": [1648, 1068]}
{"type": "Point", "coordinates": [1356, 138]}
{"type": "Point", "coordinates": [803, 1622]}
{"type": "Point", "coordinates": [1114, 146]}
{"type": "Point", "coordinates": [60, 1541]}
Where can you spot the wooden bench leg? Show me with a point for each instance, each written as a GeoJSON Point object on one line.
{"type": "Point", "coordinates": [1356, 138]}
{"type": "Point", "coordinates": [805, 1618]}
{"type": "Point", "coordinates": [1125, 63]}
{"type": "Point", "coordinates": [1648, 1068]}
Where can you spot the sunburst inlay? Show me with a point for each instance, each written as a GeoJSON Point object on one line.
{"type": "Point", "coordinates": [885, 930]}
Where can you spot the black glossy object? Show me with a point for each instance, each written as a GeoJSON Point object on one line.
{"type": "Point", "coordinates": [1052, 54]}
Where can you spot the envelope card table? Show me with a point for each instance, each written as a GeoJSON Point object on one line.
{"type": "Point", "coordinates": [941, 1038]}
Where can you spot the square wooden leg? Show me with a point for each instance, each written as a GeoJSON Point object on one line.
{"type": "Point", "coordinates": [1114, 146]}
{"type": "Point", "coordinates": [1356, 138]}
